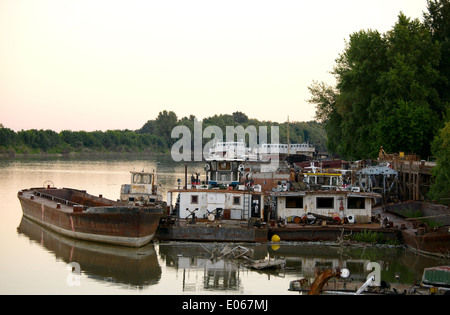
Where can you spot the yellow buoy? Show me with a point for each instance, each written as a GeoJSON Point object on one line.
{"type": "Point", "coordinates": [275, 238]}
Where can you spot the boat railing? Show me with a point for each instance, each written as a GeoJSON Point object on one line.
{"type": "Point", "coordinates": [58, 199]}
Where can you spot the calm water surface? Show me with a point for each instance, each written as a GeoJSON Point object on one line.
{"type": "Point", "coordinates": [36, 261]}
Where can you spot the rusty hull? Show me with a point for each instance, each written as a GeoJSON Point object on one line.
{"type": "Point", "coordinates": [90, 217]}
{"type": "Point", "coordinates": [418, 235]}
{"type": "Point", "coordinates": [298, 233]}
{"type": "Point", "coordinates": [435, 242]}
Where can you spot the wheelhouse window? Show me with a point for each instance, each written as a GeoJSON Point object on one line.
{"type": "Point", "coordinates": [224, 166]}
{"type": "Point", "coordinates": [194, 199]}
{"type": "Point", "coordinates": [236, 200]}
{"type": "Point", "coordinates": [294, 202]}
{"type": "Point", "coordinates": [356, 203]}
{"type": "Point", "coordinates": [142, 178]}
{"type": "Point", "coordinates": [325, 202]}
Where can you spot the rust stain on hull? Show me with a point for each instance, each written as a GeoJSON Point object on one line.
{"type": "Point", "coordinates": [328, 233]}
{"type": "Point", "coordinates": [105, 221]}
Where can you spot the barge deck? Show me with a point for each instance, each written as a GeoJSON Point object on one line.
{"type": "Point", "coordinates": [77, 214]}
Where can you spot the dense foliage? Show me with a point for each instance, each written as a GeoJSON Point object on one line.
{"type": "Point", "coordinates": [392, 89]}
{"type": "Point", "coordinates": [299, 132]}
{"type": "Point", "coordinates": [154, 136]}
{"type": "Point", "coordinates": [47, 141]}
{"type": "Point", "coordinates": [440, 190]}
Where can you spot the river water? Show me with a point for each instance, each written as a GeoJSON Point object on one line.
{"type": "Point", "coordinates": [37, 261]}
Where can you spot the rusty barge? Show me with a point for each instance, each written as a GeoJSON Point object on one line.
{"type": "Point", "coordinates": [425, 227]}
{"type": "Point", "coordinates": [131, 221]}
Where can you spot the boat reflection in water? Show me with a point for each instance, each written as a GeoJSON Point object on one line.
{"type": "Point", "coordinates": [124, 266]}
{"type": "Point", "coordinates": [395, 268]}
{"type": "Point", "coordinates": [202, 267]}
{"type": "Point", "coordinates": [199, 268]}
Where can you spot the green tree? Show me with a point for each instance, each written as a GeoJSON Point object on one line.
{"type": "Point", "coordinates": [437, 20]}
{"type": "Point", "coordinates": [72, 138]}
{"type": "Point", "coordinates": [149, 127]}
{"type": "Point", "coordinates": [240, 118]}
{"type": "Point", "coordinates": [409, 103]}
{"type": "Point", "coordinates": [324, 97]}
{"type": "Point", "coordinates": [164, 124]}
{"type": "Point", "coordinates": [7, 137]}
{"type": "Point", "coordinates": [385, 93]}
{"type": "Point", "coordinates": [357, 71]}
{"type": "Point", "coordinates": [440, 189]}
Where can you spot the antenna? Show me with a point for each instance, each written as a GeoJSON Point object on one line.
{"type": "Point", "coordinates": [288, 145]}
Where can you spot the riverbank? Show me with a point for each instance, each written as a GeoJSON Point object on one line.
{"type": "Point", "coordinates": [83, 153]}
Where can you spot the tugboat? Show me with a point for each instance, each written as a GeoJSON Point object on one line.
{"type": "Point", "coordinates": [131, 221]}
{"type": "Point", "coordinates": [217, 210]}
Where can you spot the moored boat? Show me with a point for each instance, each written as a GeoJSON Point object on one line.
{"type": "Point", "coordinates": [219, 210]}
{"type": "Point", "coordinates": [425, 226]}
{"type": "Point", "coordinates": [77, 214]}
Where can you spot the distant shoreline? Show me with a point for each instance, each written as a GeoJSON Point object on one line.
{"type": "Point", "coordinates": [12, 156]}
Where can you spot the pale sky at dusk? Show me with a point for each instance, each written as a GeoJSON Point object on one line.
{"type": "Point", "coordinates": [105, 64]}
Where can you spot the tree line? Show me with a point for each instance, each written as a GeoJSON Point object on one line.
{"type": "Point", "coordinates": [153, 137]}
{"type": "Point", "coordinates": [65, 142]}
{"type": "Point", "coordinates": [392, 90]}
{"type": "Point", "coordinates": [299, 132]}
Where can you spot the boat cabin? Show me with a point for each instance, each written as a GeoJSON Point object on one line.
{"type": "Point", "coordinates": [292, 148]}
{"type": "Point", "coordinates": [142, 189]}
{"type": "Point", "coordinates": [230, 150]}
{"type": "Point", "coordinates": [223, 173]}
{"type": "Point", "coordinates": [214, 204]}
{"type": "Point", "coordinates": [324, 180]}
{"type": "Point", "coordinates": [356, 207]}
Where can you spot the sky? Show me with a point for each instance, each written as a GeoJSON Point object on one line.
{"type": "Point", "coordinates": [115, 64]}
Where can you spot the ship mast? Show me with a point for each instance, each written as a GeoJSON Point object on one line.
{"type": "Point", "coordinates": [288, 145]}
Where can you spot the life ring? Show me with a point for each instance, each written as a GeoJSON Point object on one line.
{"type": "Point", "coordinates": [48, 184]}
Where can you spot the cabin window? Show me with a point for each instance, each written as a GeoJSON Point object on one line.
{"type": "Point", "coordinates": [325, 202]}
{"type": "Point", "coordinates": [224, 166]}
{"type": "Point", "coordinates": [194, 199]}
{"type": "Point", "coordinates": [321, 181]}
{"type": "Point", "coordinates": [236, 200]}
{"type": "Point", "coordinates": [356, 203]}
{"type": "Point", "coordinates": [225, 177]}
{"type": "Point", "coordinates": [131, 199]}
{"type": "Point", "coordinates": [294, 202]}
{"type": "Point", "coordinates": [141, 179]}
{"type": "Point", "coordinates": [334, 181]}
